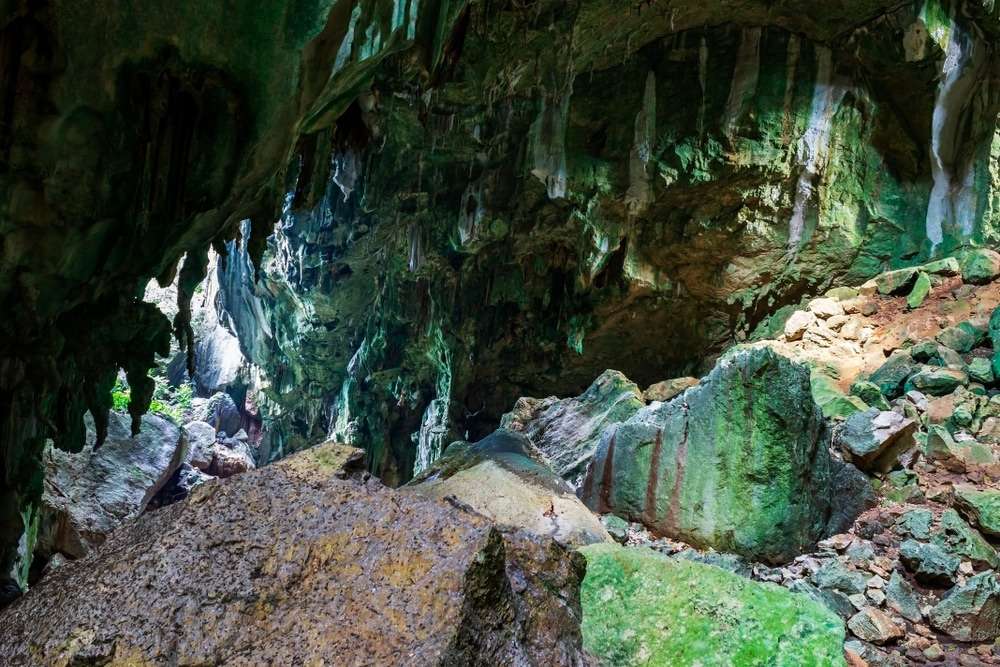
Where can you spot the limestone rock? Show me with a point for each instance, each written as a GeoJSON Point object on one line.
{"type": "Point", "coordinates": [640, 607]}
{"type": "Point", "coordinates": [825, 308]}
{"type": "Point", "coordinates": [980, 507]}
{"type": "Point", "coordinates": [180, 485]}
{"type": "Point", "coordinates": [874, 439]}
{"type": "Point", "coordinates": [229, 461]}
{"type": "Point", "coordinates": [201, 439]}
{"type": "Point", "coordinates": [90, 493]}
{"type": "Point", "coordinates": [221, 412]}
{"type": "Point", "coordinates": [501, 478]}
{"type": "Point", "coordinates": [953, 455]}
{"type": "Point", "coordinates": [664, 391]}
{"type": "Point", "coordinates": [797, 324]}
{"type": "Point", "coordinates": [970, 612]}
{"type": "Point", "coordinates": [290, 564]}
{"type": "Point", "coordinates": [567, 431]}
{"type": "Point", "coordinates": [872, 625]}
{"type": "Point", "coordinates": [980, 266]}
{"type": "Point", "coordinates": [749, 437]}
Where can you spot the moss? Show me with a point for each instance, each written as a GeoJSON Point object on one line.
{"type": "Point", "coordinates": [642, 608]}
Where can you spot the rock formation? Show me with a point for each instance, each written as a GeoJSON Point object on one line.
{"type": "Point", "coordinates": [739, 463]}
{"type": "Point", "coordinates": [293, 564]}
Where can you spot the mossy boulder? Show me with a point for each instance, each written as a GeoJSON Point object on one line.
{"type": "Point", "coordinates": [642, 608]}
{"type": "Point", "coordinates": [963, 541]}
{"type": "Point", "coordinates": [994, 334]}
{"type": "Point", "coordinates": [981, 507]}
{"type": "Point", "coordinates": [980, 266]}
{"type": "Point", "coordinates": [739, 463]}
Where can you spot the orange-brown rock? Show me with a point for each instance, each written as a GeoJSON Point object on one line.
{"type": "Point", "coordinates": [294, 564]}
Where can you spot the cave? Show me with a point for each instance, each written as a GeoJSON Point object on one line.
{"type": "Point", "coordinates": [563, 228]}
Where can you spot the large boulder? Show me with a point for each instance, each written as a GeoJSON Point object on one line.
{"type": "Point", "coordinates": [642, 608]}
{"type": "Point", "coordinates": [567, 431]}
{"type": "Point", "coordinates": [739, 463]}
{"type": "Point", "coordinates": [90, 493]}
{"type": "Point", "coordinates": [503, 478]}
{"type": "Point", "coordinates": [294, 564]}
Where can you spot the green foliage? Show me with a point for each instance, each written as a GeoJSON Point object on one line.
{"type": "Point", "coordinates": [121, 395]}
{"type": "Point", "coordinates": [169, 402]}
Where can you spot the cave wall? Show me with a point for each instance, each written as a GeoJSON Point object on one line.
{"type": "Point", "coordinates": [475, 199]}
{"type": "Point", "coordinates": [132, 134]}
{"type": "Point", "coordinates": [591, 186]}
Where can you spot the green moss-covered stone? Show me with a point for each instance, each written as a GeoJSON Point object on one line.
{"type": "Point", "coordinates": [962, 337]}
{"type": "Point", "coordinates": [980, 265]}
{"type": "Point", "coordinates": [994, 334]}
{"type": "Point", "coordinates": [980, 370]}
{"type": "Point", "coordinates": [924, 351]}
{"type": "Point", "coordinates": [981, 507]}
{"type": "Point", "coordinates": [938, 381]}
{"type": "Point", "coordinates": [921, 288]}
{"type": "Point", "coordinates": [642, 608]}
{"type": "Point", "coordinates": [870, 394]}
{"type": "Point", "coordinates": [929, 563]}
{"type": "Point", "coordinates": [739, 463]}
{"type": "Point", "coordinates": [901, 598]}
{"type": "Point", "coordinates": [963, 541]}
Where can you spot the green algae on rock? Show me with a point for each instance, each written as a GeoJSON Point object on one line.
{"type": "Point", "coordinates": [739, 463]}
{"type": "Point", "coordinates": [642, 608]}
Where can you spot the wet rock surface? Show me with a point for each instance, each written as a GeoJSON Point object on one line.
{"type": "Point", "coordinates": [293, 563]}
